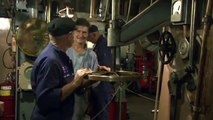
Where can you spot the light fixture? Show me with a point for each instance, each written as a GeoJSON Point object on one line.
{"type": "Point", "coordinates": [4, 23]}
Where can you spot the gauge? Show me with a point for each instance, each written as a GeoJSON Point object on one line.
{"type": "Point", "coordinates": [177, 6]}
{"type": "Point", "coordinates": [180, 12]}
{"type": "Point", "coordinates": [183, 48]}
{"type": "Point", "coordinates": [177, 11]}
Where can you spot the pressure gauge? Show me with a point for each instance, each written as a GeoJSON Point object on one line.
{"type": "Point", "coordinates": [180, 11]}
{"type": "Point", "coordinates": [176, 10]}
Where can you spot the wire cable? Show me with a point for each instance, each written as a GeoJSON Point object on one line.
{"type": "Point", "coordinates": [113, 96]}
{"type": "Point", "coordinates": [8, 33]}
{"type": "Point", "coordinates": [150, 99]}
{"type": "Point", "coordinates": [3, 56]}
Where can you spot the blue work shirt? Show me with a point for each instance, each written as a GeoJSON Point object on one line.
{"type": "Point", "coordinates": [103, 52]}
{"type": "Point", "coordinates": [102, 94]}
{"type": "Point", "coordinates": [51, 71]}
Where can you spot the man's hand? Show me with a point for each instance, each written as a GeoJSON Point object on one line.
{"type": "Point", "coordinates": [103, 68]}
{"type": "Point", "coordinates": [80, 74]}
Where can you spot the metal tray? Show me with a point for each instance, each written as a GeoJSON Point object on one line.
{"type": "Point", "coordinates": [117, 76]}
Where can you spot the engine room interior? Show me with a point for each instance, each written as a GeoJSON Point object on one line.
{"type": "Point", "coordinates": [161, 55]}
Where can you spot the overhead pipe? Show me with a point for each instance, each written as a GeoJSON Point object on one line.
{"type": "Point", "coordinates": [48, 11]}
{"type": "Point", "coordinates": [113, 36]}
{"type": "Point", "coordinates": [192, 32]}
{"type": "Point", "coordinates": [92, 9]}
{"type": "Point", "coordinates": [113, 32]}
{"type": "Point", "coordinates": [129, 8]}
{"type": "Point", "coordinates": [113, 10]}
{"type": "Point", "coordinates": [198, 95]}
{"type": "Point", "coordinates": [106, 10]}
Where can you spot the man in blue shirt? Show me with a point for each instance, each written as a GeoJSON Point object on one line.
{"type": "Point", "coordinates": [52, 79]}
{"type": "Point", "coordinates": [102, 94]}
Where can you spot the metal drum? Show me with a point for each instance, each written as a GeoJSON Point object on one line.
{"type": "Point", "coordinates": [32, 36]}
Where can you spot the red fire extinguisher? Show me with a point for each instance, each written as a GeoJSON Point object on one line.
{"type": "Point", "coordinates": [145, 65]}
{"type": "Point", "coordinates": [7, 96]}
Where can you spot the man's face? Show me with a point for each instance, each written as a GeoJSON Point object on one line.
{"type": "Point", "coordinates": [91, 37]}
{"type": "Point", "coordinates": [80, 34]}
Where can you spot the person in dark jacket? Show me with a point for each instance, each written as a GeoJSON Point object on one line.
{"type": "Point", "coordinates": [52, 79]}
{"type": "Point", "coordinates": [102, 94]}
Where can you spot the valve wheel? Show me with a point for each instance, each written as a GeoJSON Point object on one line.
{"type": "Point", "coordinates": [167, 47]}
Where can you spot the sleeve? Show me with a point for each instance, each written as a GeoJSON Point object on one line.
{"type": "Point", "coordinates": [48, 89]}
{"type": "Point", "coordinates": [94, 65]}
{"type": "Point", "coordinates": [94, 61]}
{"type": "Point", "coordinates": [105, 56]}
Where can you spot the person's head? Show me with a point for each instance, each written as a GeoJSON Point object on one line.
{"type": "Point", "coordinates": [81, 31]}
{"type": "Point", "coordinates": [61, 32]}
{"type": "Point", "coordinates": [93, 34]}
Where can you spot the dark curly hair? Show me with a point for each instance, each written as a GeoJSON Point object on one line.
{"type": "Point", "coordinates": [82, 22]}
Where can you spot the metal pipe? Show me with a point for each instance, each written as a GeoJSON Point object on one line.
{"type": "Point", "coordinates": [192, 32]}
{"type": "Point", "coordinates": [113, 35]}
{"type": "Point", "coordinates": [118, 7]}
{"type": "Point", "coordinates": [160, 78]}
{"type": "Point", "coordinates": [48, 11]}
{"type": "Point", "coordinates": [129, 8]}
{"type": "Point", "coordinates": [106, 9]}
{"type": "Point", "coordinates": [151, 2]}
{"type": "Point", "coordinates": [198, 96]}
{"type": "Point", "coordinates": [34, 10]}
{"type": "Point", "coordinates": [92, 9]}
{"type": "Point", "coordinates": [118, 57]}
{"type": "Point", "coordinates": [113, 9]}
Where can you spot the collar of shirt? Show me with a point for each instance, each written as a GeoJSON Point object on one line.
{"type": "Point", "coordinates": [59, 52]}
